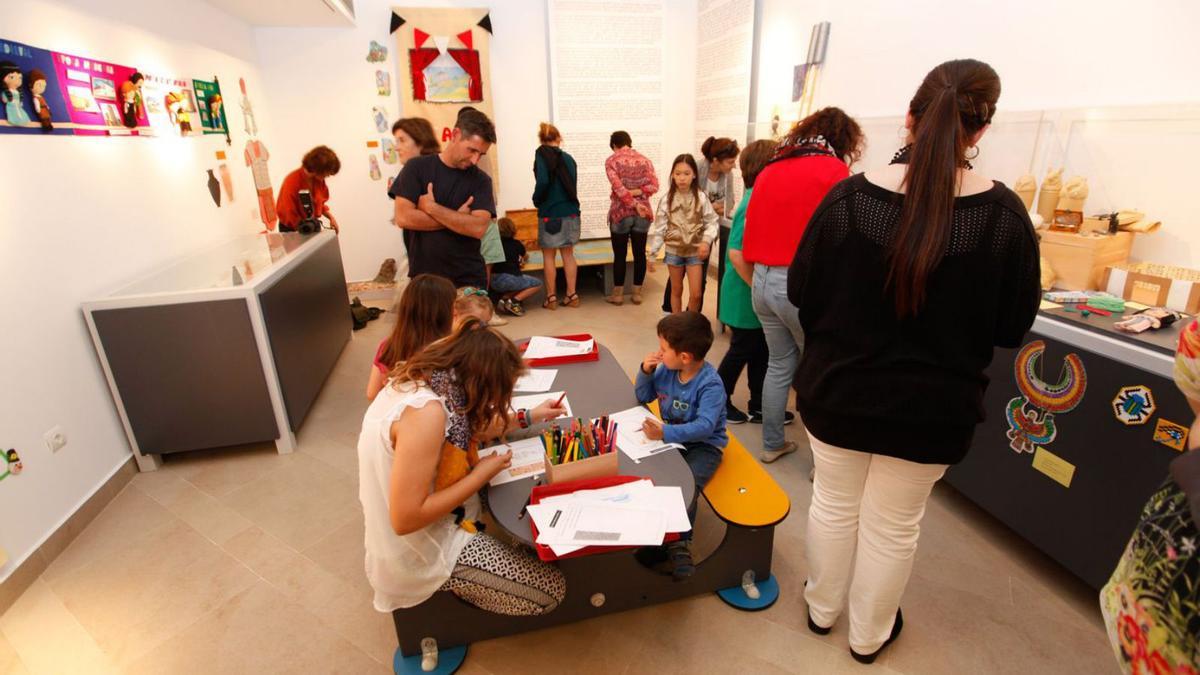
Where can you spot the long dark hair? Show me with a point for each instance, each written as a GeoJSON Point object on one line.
{"type": "Point", "coordinates": [955, 101]}
{"type": "Point", "coordinates": [715, 149]}
{"type": "Point", "coordinates": [487, 365]}
{"type": "Point", "coordinates": [691, 162]}
{"type": "Point", "coordinates": [425, 313]}
{"type": "Point", "coordinates": [6, 68]}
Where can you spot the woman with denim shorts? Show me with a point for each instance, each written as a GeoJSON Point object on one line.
{"type": "Point", "coordinates": [557, 203]}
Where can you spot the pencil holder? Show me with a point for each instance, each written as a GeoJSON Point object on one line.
{"type": "Point", "coordinates": [597, 466]}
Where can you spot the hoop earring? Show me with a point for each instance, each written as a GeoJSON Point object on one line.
{"type": "Point", "coordinates": [976, 149]}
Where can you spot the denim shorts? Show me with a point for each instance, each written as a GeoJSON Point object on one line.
{"type": "Point", "coordinates": [512, 283]}
{"type": "Point", "coordinates": [681, 261]}
{"type": "Point", "coordinates": [630, 224]}
{"type": "Point", "coordinates": [558, 232]}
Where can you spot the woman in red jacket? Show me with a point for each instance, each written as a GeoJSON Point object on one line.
{"type": "Point", "coordinates": [317, 165]}
{"type": "Point", "coordinates": [815, 155]}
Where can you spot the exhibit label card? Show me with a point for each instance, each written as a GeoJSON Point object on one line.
{"type": "Point", "coordinates": [1058, 469]}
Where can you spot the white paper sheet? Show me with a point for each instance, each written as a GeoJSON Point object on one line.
{"type": "Point", "coordinates": [630, 437]}
{"type": "Point", "coordinates": [579, 524]}
{"type": "Point", "coordinates": [534, 400]}
{"type": "Point", "coordinates": [529, 459]}
{"type": "Point", "coordinates": [537, 379]}
{"type": "Point", "coordinates": [641, 494]}
{"type": "Point", "coordinates": [542, 347]}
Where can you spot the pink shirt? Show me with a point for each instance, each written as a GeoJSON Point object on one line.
{"type": "Point", "coordinates": [628, 169]}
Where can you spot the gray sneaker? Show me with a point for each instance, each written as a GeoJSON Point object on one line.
{"type": "Point", "coordinates": [769, 456]}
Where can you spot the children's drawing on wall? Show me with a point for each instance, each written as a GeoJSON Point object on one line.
{"type": "Point", "coordinates": [383, 82]}
{"type": "Point", "coordinates": [248, 122]}
{"type": "Point", "coordinates": [388, 146]}
{"type": "Point", "coordinates": [375, 173]}
{"type": "Point", "coordinates": [377, 53]}
{"type": "Point", "coordinates": [381, 119]}
{"type": "Point", "coordinates": [256, 156]}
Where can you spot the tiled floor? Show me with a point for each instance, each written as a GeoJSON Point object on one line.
{"type": "Point", "coordinates": [246, 561]}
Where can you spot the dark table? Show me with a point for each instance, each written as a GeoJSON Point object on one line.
{"type": "Point", "coordinates": [594, 388]}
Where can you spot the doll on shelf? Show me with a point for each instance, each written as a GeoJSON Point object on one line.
{"type": "Point", "coordinates": [180, 112]}
{"type": "Point", "coordinates": [37, 87]}
{"type": "Point", "coordinates": [10, 94]}
{"type": "Point", "coordinates": [214, 109]}
{"type": "Point", "coordinates": [129, 106]}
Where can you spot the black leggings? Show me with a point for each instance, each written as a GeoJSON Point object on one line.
{"type": "Point", "coordinates": [620, 242]}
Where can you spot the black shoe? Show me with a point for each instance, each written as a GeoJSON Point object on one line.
{"type": "Point", "coordinates": [756, 417]}
{"type": "Point", "coordinates": [735, 416]}
{"type": "Point", "coordinates": [870, 658]}
{"type": "Point", "coordinates": [682, 565]}
{"type": "Point", "coordinates": [812, 625]}
{"type": "Point", "coordinates": [819, 630]}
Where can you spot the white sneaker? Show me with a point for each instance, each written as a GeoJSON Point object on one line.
{"type": "Point", "coordinates": [769, 456]}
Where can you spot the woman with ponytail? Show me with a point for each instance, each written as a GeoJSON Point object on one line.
{"type": "Point", "coordinates": [555, 176]}
{"type": "Point", "coordinates": [906, 279]}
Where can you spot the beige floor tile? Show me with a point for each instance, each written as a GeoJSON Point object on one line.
{"type": "Point", "coordinates": [343, 605]}
{"type": "Point", "coordinates": [47, 637]}
{"type": "Point", "coordinates": [129, 518]}
{"type": "Point", "coordinates": [300, 502]}
{"type": "Point", "coordinates": [10, 662]}
{"type": "Point", "coordinates": [139, 596]}
{"type": "Point", "coordinates": [202, 511]}
{"type": "Point", "coordinates": [222, 471]}
{"type": "Point", "coordinates": [339, 451]}
{"type": "Point", "coordinates": [341, 552]}
{"type": "Point", "coordinates": [257, 631]}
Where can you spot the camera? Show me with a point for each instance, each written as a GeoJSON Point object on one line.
{"type": "Point", "coordinates": [309, 224]}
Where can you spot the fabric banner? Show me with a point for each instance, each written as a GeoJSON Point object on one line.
{"type": "Point", "coordinates": [444, 61]}
{"type": "Point", "coordinates": [23, 114]}
{"type": "Point", "coordinates": [97, 101]}
{"type": "Point", "coordinates": [211, 105]}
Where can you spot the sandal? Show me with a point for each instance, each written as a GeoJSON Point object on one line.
{"type": "Point", "coordinates": [572, 300]}
{"type": "Point", "coordinates": [551, 303]}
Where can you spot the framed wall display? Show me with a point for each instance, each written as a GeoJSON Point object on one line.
{"type": "Point", "coordinates": [210, 106]}
{"type": "Point", "coordinates": [99, 97]}
{"type": "Point", "coordinates": [31, 101]}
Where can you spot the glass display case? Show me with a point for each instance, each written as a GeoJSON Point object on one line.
{"type": "Point", "coordinates": [228, 346]}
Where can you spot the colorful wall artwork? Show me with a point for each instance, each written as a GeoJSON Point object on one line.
{"type": "Point", "coordinates": [99, 96]}
{"type": "Point", "coordinates": [211, 106]}
{"type": "Point", "coordinates": [37, 104]}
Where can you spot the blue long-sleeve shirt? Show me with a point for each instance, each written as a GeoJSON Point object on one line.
{"type": "Point", "coordinates": [692, 412]}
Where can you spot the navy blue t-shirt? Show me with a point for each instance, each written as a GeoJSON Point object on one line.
{"type": "Point", "coordinates": [443, 252]}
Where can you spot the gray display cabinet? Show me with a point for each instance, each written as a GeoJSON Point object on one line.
{"type": "Point", "coordinates": [228, 346]}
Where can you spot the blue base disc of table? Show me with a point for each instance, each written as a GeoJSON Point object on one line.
{"type": "Point", "coordinates": [768, 593]}
{"type": "Point", "coordinates": [449, 661]}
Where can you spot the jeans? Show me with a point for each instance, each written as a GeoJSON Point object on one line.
{"type": "Point", "coordinates": [863, 527]}
{"type": "Point", "coordinates": [683, 261]}
{"type": "Point", "coordinates": [747, 348]}
{"type": "Point", "coordinates": [703, 460]}
{"type": "Point", "coordinates": [785, 340]}
{"type": "Point", "coordinates": [635, 230]}
{"type": "Point", "coordinates": [512, 283]}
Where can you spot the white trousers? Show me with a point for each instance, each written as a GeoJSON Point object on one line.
{"type": "Point", "coordinates": [863, 526]}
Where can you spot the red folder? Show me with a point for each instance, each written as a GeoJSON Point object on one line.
{"type": "Point", "coordinates": [594, 355]}
{"type": "Point", "coordinates": [540, 492]}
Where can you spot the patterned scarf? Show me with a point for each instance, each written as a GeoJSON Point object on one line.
{"type": "Point", "coordinates": [803, 147]}
{"type": "Point", "coordinates": [444, 383]}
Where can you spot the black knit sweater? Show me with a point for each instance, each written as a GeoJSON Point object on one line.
{"type": "Point", "coordinates": [909, 388]}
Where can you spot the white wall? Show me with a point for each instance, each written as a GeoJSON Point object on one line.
{"type": "Point", "coordinates": [82, 215]}
{"type": "Point", "coordinates": [1049, 55]}
{"type": "Point", "coordinates": [328, 99]}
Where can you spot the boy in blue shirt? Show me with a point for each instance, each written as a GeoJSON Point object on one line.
{"type": "Point", "coordinates": [691, 398]}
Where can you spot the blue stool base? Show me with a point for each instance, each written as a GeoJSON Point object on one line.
{"type": "Point", "coordinates": [768, 593]}
{"type": "Point", "coordinates": [449, 661]}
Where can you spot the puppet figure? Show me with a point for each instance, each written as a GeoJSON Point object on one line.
{"type": "Point", "coordinates": [247, 111]}
{"type": "Point", "coordinates": [10, 94]}
{"type": "Point", "coordinates": [137, 79]}
{"type": "Point", "coordinates": [37, 87]}
{"type": "Point", "coordinates": [214, 109]}
{"type": "Point", "coordinates": [182, 116]}
{"type": "Point", "coordinates": [14, 464]}
{"type": "Point", "coordinates": [129, 107]}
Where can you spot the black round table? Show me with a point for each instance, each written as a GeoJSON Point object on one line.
{"type": "Point", "coordinates": [594, 388]}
